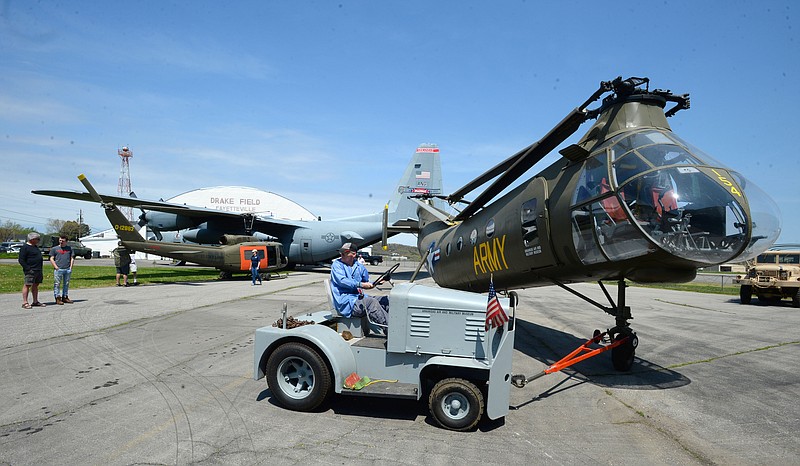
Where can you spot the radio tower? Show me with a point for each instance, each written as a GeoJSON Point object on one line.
{"type": "Point", "coordinates": [124, 187]}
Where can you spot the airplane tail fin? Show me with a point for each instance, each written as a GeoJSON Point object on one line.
{"type": "Point", "coordinates": [122, 226]}
{"type": "Point", "coordinates": [423, 175]}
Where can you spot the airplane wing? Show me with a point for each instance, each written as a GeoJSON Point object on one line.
{"type": "Point", "coordinates": [161, 206]}
{"type": "Point", "coordinates": [280, 228]}
{"type": "Point", "coordinates": [267, 225]}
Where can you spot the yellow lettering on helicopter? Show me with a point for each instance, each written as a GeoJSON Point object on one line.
{"type": "Point", "coordinates": [727, 183]}
{"type": "Point", "coordinates": [489, 256]}
{"type": "Point", "coordinates": [123, 227]}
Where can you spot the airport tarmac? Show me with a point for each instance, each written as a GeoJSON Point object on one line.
{"type": "Point", "coordinates": [162, 374]}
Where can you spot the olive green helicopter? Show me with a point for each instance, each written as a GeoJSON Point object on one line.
{"type": "Point", "coordinates": [630, 200]}
{"type": "Point", "coordinates": [232, 256]}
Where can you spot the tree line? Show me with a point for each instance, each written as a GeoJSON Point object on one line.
{"type": "Point", "coordinates": [10, 231]}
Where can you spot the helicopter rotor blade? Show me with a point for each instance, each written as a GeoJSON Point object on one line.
{"type": "Point", "coordinates": [515, 166]}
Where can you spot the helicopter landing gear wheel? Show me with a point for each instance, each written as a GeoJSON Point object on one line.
{"type": "Point", "coordinates": [456, 404]}
{"type": "Point", "coordinates": [622, 355]}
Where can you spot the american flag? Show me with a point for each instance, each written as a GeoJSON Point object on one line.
{"type": "Point", "coordinates": [495, 315]}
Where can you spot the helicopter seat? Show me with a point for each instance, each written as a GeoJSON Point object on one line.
{"type": "Point", "coordinates": [611, 204]}
{"type": "Point", "coordinates": [354, 325]}
{"type": "Point", "coordinates": [664, 200]}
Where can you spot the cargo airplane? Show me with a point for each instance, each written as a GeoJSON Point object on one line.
{"type": "Point", "coordinates": [305, 242]}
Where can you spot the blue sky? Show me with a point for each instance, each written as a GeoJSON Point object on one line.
{"type": "Point", "coordinates": [324, 102]}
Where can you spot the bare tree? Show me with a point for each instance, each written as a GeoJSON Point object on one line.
{"type": "Point", "coordinates": [55, 225]}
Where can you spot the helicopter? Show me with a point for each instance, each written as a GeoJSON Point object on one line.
{"type": "Point", "coordinates": [233, 256]}
{"type": "Point", "coordinates": [630, 200]}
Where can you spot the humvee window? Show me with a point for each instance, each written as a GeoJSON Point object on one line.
{"type": "Point", "coordinates": [766, 259]}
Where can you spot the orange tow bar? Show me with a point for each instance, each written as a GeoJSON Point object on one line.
{"type": "Point", "coordinates": [581, 353]}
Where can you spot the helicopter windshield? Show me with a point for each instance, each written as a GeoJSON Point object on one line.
{"type": "Point", "coordinates": [682, 200]}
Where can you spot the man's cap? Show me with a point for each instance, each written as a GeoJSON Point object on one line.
{"type": "Point", "coordinates": [348, 247]}
{"type": "Point", "coordinates": [255, 250]}
{"type": "Point", "coordinates": [33, 235]}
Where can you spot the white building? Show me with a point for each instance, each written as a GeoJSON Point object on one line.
{"type": "Point", "coordinates": [228, 198]}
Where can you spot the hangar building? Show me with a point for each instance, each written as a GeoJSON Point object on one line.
{"type": "Point", "coordinates": [228, 198]}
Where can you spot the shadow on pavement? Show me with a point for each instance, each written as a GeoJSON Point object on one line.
{"type": "Point", "coordinates": [548, 345]}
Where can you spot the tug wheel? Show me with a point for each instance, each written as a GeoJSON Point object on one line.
{"type": "Point", "coordinates": [298, 377]}
{"type": "Point", "coordinates": [456, 404]}
{"type": "Point", "coordinates": [622, 355]}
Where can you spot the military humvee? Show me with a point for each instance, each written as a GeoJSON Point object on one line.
{"type": "Point", "coordinates": [77, 247]}
{"type": "Point", "coordinates": [773, 276]}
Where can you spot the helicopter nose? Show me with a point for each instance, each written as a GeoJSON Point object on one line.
{"type": "Point", "coordinates": [684, 202]}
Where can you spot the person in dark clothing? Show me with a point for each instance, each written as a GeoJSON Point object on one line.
{"type": "Point", "coordinates": [255, 260]}
{"type": "Point", "coordinates": [30, 258]}
{"type": "Point", "coordinates": [122, 261]}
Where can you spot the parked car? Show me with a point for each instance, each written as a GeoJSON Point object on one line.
{"type": "Point", "coordinates": [14, 248]}
{"type": "Point", "coordinates": [372, 260]}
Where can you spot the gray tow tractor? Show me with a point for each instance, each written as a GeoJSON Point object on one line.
{"type": "Point", "coordinates": [436, 347]}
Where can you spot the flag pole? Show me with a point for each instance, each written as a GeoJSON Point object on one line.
{"type": "Point", "coordinates": [486, 344]}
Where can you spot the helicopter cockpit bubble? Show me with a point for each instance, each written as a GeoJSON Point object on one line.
{"type": "Point", "coordinates": [684, 202]}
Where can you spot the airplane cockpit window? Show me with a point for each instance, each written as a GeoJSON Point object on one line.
{"type": "Point", "coordinates": [681, 199]}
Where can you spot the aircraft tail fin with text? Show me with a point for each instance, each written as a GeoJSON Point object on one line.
{"type": "Point", "coordinates": [122, 226]}
{"type": "Point", "coordinates": [423, 176]}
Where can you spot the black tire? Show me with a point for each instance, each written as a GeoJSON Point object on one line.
{"type": "Point", "coordinates": [456, 404]}
{"type": "Point", "coordinates": [298, 377]}
{"type": "Point", "coordinates": [745, 294]}
{"type": "Point", "coordinates": [796, 298]}
{"type": "Point", "coordinates": [622, 355]}
{"type": "Point", "coordinates": [87, 256]}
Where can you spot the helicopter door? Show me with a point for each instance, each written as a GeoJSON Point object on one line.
{"type": "Point", "coordinates": [534, 219]}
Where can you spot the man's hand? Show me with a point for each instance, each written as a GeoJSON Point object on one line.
{"type": "Point", "coordinates": [367, 285]}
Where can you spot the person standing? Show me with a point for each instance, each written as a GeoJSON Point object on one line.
{"type": "Point", "coordinates": [62, 257]}
{"type": "Point", "coordinates": [133, 269]}
{"type": "Point", "coordinates": [255, 262]}
{"type": "Point", "coordinates": [122, 261]}
{"type": "Point", "coordinates": [30, 258]}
